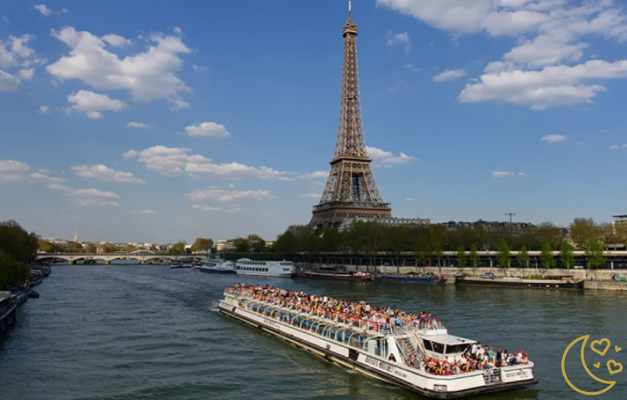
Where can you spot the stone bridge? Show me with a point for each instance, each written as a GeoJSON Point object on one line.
{"type": "Point", "coordinates": [87, 258]}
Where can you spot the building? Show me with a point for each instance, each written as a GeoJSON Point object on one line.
{"type": "Point", "coordinates": [348, 222]}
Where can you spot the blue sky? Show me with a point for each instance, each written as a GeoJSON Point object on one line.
{"type": "Point", "coordinates": [158, 121]}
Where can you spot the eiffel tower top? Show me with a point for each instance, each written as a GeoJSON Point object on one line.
{"type": "Point", "coordinates": [350, 136]}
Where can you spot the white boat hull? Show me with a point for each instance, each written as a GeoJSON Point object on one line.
{"type": "Point", "coordinates": [272, 274]}
{"type": "Point", "coordinates": [432, 386]}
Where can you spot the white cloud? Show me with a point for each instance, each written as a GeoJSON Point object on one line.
{"type": "Point", "coordinates": [218, 209]}
{"type": "Point", "coordinates": [147, 75]}
{"type": "Point", "coordinates": [139, 125]}
{"type": "Point", "coordinates": [549, 36]}
{"type": "Point", "coordinates": [43, 9]}
{"type": "Point", "coordinates": [176, 161]}
{"type": "Point", "coordinates": [43, 110]}
{"type": "Point", "coordinates": [616, 146]}
{"type": "Point", "coordinates": [226, 196]}
{"type": "Point", "coordinates": [87, 196]}
{"type": "Point", "coordinates": [177, 104]}
{"type": "Point", "coordinates": [207, 129]}
{"type": "Point", "coordinates": [409, 65]}
{"type": "Point", "coordinates": [91, 103]}
{"type": "Point", "coordinates": [94, 115]}
{"type": "Point", "coordinates": [5, 19]}
{"type": "Point", "coordinates": [386, 157]}
{"type": "Point", "coordinates": [17, 171]}
{"type": "Point", "coordinates": [504, 174]}
{"type": "Point", "coordinates": [409, 199]}
{"type": "Point", "coordinates": [549, 87]}
{"type": "Point", "coordinates": [553, 138]}
{"type": "Point", "coordinates": [116, 40]}
{"type": "Point", "coordinates": [105, 174]}
{"type": "Point", "coordinates": [145, 212]}
{"type": "Point", "coordinates": [449, 75]}
{"type": "Point", "coordinates": [315, 175]}
{"type": "Point", "coordinates": [312, 195]}
{"type": "Point", "coordinates": [399, 39]}
{"type": "Point", "coordinates": [8, 82]}
{"type": "Point", "coordinates": [199, 68]}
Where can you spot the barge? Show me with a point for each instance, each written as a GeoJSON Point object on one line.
{"type": "Point", "coordinates": [506, 282]}
{"type": "Point", "coordinates": [429, 279]}
{"type": "Point", "coordinates": [393, 354]}
{"type": "Point", "coordinates": [355, 276]}
{"type": "Point", "coordinates": [8, 311]}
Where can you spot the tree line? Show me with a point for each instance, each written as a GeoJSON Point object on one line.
{"type": "Point", "coordinates": [17, 247]}
{"type": "Point", "coordinates": [429, 242]}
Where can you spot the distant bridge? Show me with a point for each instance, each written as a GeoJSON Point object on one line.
{"type": "Point", "coordinates": [143, 258]}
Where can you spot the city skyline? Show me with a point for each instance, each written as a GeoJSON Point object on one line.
{"type": "Point", "coordinates": [169, 125]}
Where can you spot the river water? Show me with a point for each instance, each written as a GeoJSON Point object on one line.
{"type": "Point", "coordinates": [150, 332]}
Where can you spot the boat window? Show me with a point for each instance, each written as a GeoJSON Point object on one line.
{"type": "Point", "coordinates": [286, 269]}
{"type": "Point", "coordinates": [438, 347]}
{"type": "Point", "coordinates": [428, 345]}
{"type": "Point", "coordinates": [456, 348]}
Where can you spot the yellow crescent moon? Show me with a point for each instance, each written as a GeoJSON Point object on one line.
{"type": "Point", "coordinates": [583, 361]}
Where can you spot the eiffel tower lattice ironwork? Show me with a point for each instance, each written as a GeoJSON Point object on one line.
{"type": "Point", "coordinates": [351, 190]}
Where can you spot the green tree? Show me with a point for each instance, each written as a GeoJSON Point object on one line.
{"type": "Point", "coordinates": [242, 245]}
{"type": "Point", "coordinates": [546, 256]}
{"type": "Point", "coordinates": [12, 272]}
{"type": "Point", "coordinates": [503, 255]}
{"type": "Point", "coordinates": [45, 246]}
{"type": "Point", "coordinates": [438, 235]}
{"type": "Point", "coordinates": [523, 258]}
{"type": "Point", "coordinates": [178, 248]}
{"type": "Point", "coordinates": [202, 244]}
{"type": "Point", "coordinates": [90, 248]}
{"type": "Point", "coordinates": [474, 256]}
{"type": "Point", "coordinates": [582, 230]}
{"type": "Point", "coordinates": [423, 250]}
{"type": "Point", "coordinates": [75, 247]}
{"type": "Point", "coordinates": [595, 255]}
{"type": "Point", "coordinates": [17, 242]}
{"type": "Point", "coordinates": [286, 244]}
{"type": "Point", "coordinates": [462, 257]}
{"type": "Point", "coordinates": [567, 255]}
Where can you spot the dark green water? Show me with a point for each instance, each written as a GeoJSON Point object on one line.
{"type": "Point", "coordinates": [139, 332]}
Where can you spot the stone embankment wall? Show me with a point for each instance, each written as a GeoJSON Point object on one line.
{"type": "Point", "coordinates": [605, 274]}
{"type": "Point", "coordinates": [620, 286]}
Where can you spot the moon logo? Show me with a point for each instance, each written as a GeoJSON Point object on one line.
{"type": "Point", "coordinates": [583, 361]}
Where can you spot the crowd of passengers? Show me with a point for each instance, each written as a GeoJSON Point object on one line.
{"type": "Point", "coordinates": [475, 358]}
{"type": "Point", "coordinates": [377, 317]}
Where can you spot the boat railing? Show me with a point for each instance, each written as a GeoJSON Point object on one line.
{"type": "Point", "coordinates": [431, 324]}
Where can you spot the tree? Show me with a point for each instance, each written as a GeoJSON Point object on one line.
{"type": "Point", "coordinates": [523, 258]}
{"type": "Point", "coordinates": [503, 255]}
{"type": "Point", "coordinates": [178, 248]}
{"type": "Point", "coordinates": [438, 235]}
{"type": "Point", "coordinates": [241, 245]}
{"type": "Point", "coordinates": [45, 246]}
{"type": "Point", "coordinates": [595, 255]}
{"type": "Point", "coordinates": [567, 255]}
{"type": "Point", "coordinates": [474, 256]}
{"type": "Point", "coordinates": [17, 242]}
{"type": "Point", "coordinates": [75, 247]}
{"type": "Point", "coordinates": [582, 230]}
{"type": "Point", "coordinates": [202, 244]}
{"type": "Point", "coordinates": [423, 250]}
{"type": "Point", "coordinates": [286, 244]}
{"type": "Point", "coordinates": [90, 248]}
{"type": "Point", "coordinates": [12, 272]}
{"type": "Point", "coordinates": [546, 256]}
{"type": "Point", "coordinates": [462, 257]}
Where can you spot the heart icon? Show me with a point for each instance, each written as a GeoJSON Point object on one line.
{"type": "Point", "coordinates": [617, 348]}
{"type": "Point", "coordinates": [599, 342]}
{"type": "Point", "coordinates": [597, 365]}
{"type": "Point", "coordinates": [617, 370]}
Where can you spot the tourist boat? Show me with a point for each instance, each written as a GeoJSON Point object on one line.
{"type": "Point", "coordinates": [512, 282]}
{"type": "Point", "coordinates": [357, 276]}
{"type": "Point", "coordinates": [429, 278]}
{"type": "Point", "coordinates": [218, 267]}
{"type": "Point", "coordinates": [381, 352]}
{"type": "Point", "coordinates": [8, 313]}
{"type": "Point", "coordinates": [181, 264]}
{"type": "Point", "coordinates": [245, 266]}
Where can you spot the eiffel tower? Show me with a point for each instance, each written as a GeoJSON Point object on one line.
{"type": "Point", "coordinates": [351, 190]}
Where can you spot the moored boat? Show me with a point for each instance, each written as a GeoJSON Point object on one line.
{"type": "Point", "coordinates": [400, 354]}
{"type": "Point", "coordinates": [218, 267]}
{"type": "Point", "coordinates": [337, 276]}
{"type": "Point", "coordinates": [428, 279]}
{"type": "Point", "coordinates": [246, 266]}
{"type": "Point", "coordinates": [8, 313]}
{"type": "Point", "coordinates": [36, 277]}
{"type": "Point", "coordinates": [512, 282]}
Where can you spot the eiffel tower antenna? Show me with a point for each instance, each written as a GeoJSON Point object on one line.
{"type": "Point", "coordinates": [351, 190]}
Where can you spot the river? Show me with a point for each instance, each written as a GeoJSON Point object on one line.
{"type": "Point", "coordinates": [150, 332]}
